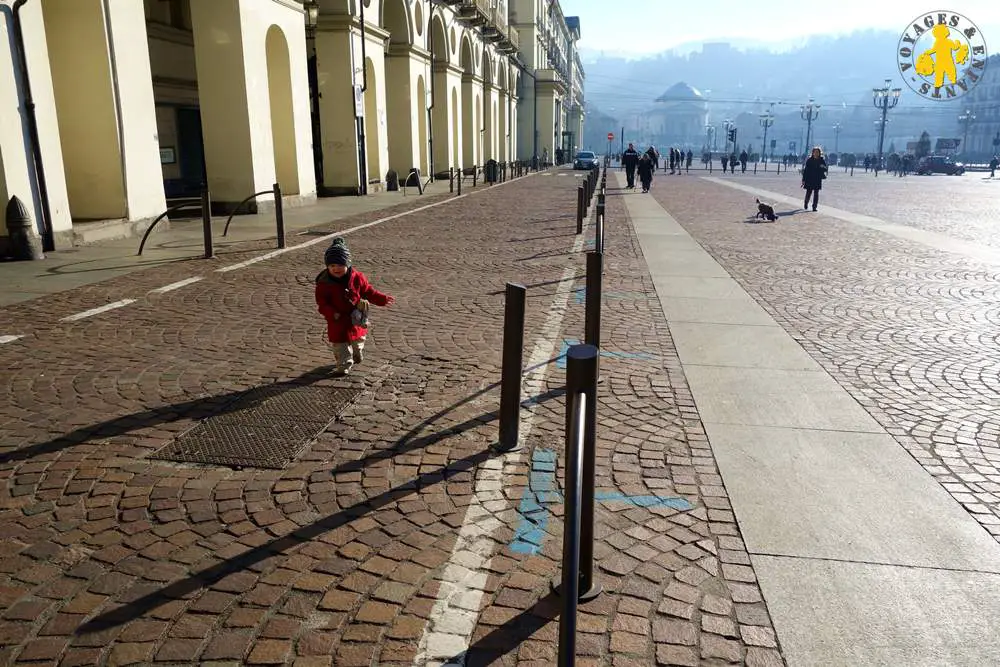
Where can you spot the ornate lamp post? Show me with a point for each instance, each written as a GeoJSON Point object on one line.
{"type": "Point", "coordinates": [884, 98]}
{"type": "Point", "coordinates": [810, 112]}
{"type": "Point", "coordinates": [836, 137]}
{"type": "Point", "coordinates": [709, 135]}
{"type": "Point", "coordinates": [966, 118]}
{"type": "Point", "coordinates": [766, 121]}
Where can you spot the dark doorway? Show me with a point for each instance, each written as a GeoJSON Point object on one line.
{"type": "Point", "coordinates": [190, 155]}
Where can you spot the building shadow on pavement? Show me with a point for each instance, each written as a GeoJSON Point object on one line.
{"type": "Point", "coordinates": [195, 409]}
{"type": "Point", "coordinates": [212, 575]}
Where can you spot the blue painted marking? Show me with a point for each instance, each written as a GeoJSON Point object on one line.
{"type": "Point", "coordinates": [581, 296]}
{"type": "Point", "coordinates": [542, 491]}
{"type": "Point", "coordinates": [643, 501]}
{"type": "Point", "coordinates": [607, 354]}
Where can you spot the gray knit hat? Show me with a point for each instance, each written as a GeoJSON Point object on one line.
{"type": "Point", "coordinates": [338, 253]}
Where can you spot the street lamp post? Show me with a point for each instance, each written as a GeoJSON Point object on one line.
{"type": "Point", "coordinates": [810, 112]}
{"type": "Point", "coordinates": [766, 121]}
{"type": "Point", "coordinates": [836, 138]}
{"type": "Point", "coordinates": [884, 98]}
{"type": "Point", "coordinates": [709, 135]}
{"type": "Point", "coordinates": [728, 124]}
{"type": "Point", "coordinates": [312, 19]}
{"type": "Point", "coordinates": [966, 118]}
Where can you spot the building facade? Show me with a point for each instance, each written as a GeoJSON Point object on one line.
{"type": "Point", "coordinates": [551, 111]}
{"type": "Point", "coordinates": [679, 118]}
{"type": "Point", "coordinates": [119, 106]}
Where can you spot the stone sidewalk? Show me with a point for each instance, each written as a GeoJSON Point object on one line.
{"type": "Point", "coordinates": [397, 537]}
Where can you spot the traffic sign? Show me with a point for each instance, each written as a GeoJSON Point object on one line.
{"type": "Point", "coordinates": [611, 136]}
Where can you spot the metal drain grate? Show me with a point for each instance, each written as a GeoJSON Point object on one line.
{"type": "Point", "coordinates": [266, 427]}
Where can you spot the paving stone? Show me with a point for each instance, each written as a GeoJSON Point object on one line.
{"type": "Point", "coordinates": [338, 559]}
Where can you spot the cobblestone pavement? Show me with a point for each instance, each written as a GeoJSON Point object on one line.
{"type": "Point", "coordinates": [111, 557]}
{"type": "Point", "coordinates": [909, 331]}
{"type": "Point", "coordinates": [965, 207]}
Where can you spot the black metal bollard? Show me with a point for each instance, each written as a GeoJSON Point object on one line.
{"type": "Point", "coordinates": [580, 206]}
{"type": "Point", "coordinates": [279, 215]}
{"type": "Point", "coordinates": [592, 315]}
{"type": "Point", "coordinates": [599, 232]}
{"type": "Point", "coordinates": [513, 360]}
{"type": "Point", "coordinates": [582, 368]}
{"type": "Point", "coordinates": [475, 173]}
{"type": "Point", "coordinates": [451, 179]}
{"type": "Point", "coordinates": [576, 411]}
{"type": "Point", "coordinates": [206, 223]}
{"type": "Point", "coordinates": [460, 173]}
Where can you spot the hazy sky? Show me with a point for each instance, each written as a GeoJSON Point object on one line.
{"type": "Point", "coordinates": [652, 26]}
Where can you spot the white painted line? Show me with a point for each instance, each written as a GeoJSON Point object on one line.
{"type": "Point", "coordinates": [463, 581]}
{"type": "Point", "coordinates": [332, 235]}
{"type": "Point", "coordinates": [9, 339]}
{"type": "Point", "coordinates": [97, 311]}
{"type": "Point", "coordinates": [177, 285]}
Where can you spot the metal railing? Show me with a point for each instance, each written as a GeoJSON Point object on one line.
{"type": "Point", "coordinates": [573, 525]}
{"type": "Point", "coordinates": [279, 212]}
{"type": "Point", "coordinates": [205, 203]}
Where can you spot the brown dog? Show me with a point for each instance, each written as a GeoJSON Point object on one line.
{"type": "Point", "coordinates": [765, 211]}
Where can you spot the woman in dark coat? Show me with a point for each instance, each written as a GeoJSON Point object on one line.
{"type": "Point", "coordinates": [813, 174]}
{"type": "Point", "coordinates": [645, 170]}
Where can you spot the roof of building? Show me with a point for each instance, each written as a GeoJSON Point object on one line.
{"type": "Point", "coordinates": [680, 92]}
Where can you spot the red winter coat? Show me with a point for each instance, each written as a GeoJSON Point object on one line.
{"type": "Point", "coordinates": [336, 298]}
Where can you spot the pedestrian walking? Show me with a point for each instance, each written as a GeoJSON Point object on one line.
{"type": "Point", "coordinates": [732, 162]}
{"type": "Point", "coordinates": [673, 159]}
{"type": "Point", "coordinates": [630, 160]}
{"type": "Point", "coordinates": [645, 169]}
{"type": "Point", "coordinates": [813, 173]}
{"type": "Point", "coordinates": [993, 166]}
{"type": "Point", "coordinates": [687, 165]}
{"type": "Point", "coordinates": [725, 163]}
{"type": "Point", "coordinates": [743, 162]}
{"type": "Point", "coordinates": [343, 295]}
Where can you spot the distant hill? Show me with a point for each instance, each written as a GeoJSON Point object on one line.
{"type": "Point", "coordinates": [839, 72]}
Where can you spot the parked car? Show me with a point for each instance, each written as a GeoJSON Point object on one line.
{"type": "Point", "coordinates": [939, 164]}
{"type": "Point", "coordinates": [585, 160]}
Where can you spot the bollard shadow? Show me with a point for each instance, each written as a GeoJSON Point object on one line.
{"type": "Point", "coordinates": [542, 238]}
{"type": "Point", "coordinates": [504, 639]}
{"type": "Point", "coordinates": [214, 574]}
{"type": "Point", "coordinates": [541, 284]}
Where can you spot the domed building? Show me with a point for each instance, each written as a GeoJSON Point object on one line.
{"type": "Point", "coordinates": [679, 117]}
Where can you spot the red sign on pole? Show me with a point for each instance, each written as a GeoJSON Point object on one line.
{"type": "Point", "coordinates": [611, 136]}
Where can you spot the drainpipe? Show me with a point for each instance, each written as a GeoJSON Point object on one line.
{"type": "Point", "coordinates": [430, 109]}
{"type": "Point", "coordinates": [118, 102]}
{"type": "Point", "coordinates": [362, 160]}
{"type": "Point", "coordinates": [48, 238]}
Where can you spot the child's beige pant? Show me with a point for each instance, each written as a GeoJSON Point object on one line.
{"type": "Point", "coordinates": [346, 355]}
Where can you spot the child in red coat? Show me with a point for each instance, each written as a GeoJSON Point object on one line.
{"type": "Point", "coordinates": [342, 294]}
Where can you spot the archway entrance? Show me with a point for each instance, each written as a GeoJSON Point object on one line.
{"type": "Point", "coordinates": [279, 87]}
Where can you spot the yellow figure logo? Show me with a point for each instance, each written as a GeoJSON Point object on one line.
{"type": "Point", "coordinates": [940, 60]}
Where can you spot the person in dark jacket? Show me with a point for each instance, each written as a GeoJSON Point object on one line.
{"type": "Point", "coordinates": [630, 160]}
{"type": "Point", "coordinates": [813, 173]}
{"type": "Point", "coordinates": [646, 169]}
{"type": "Point", "coordinates": [743, 162]}
{"type": "Point", "coordinates": [732, 162]}
{"type": "Point", "coordinates": [687, 165]}
{"type": "Point", "coordinates": [725, 162]}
